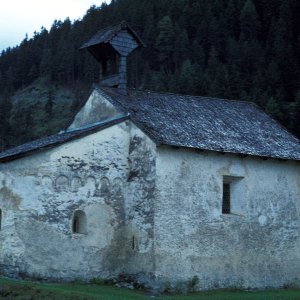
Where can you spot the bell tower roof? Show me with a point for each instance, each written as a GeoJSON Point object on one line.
{"type": "Point", "coordinates": [120, 37]}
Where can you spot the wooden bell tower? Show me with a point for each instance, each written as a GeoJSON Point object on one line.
{"type": "Point", "coordinates": [110, 47]}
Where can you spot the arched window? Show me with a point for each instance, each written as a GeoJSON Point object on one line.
{"type": "Point", "coordinates": [79, 222]}
{"type": "Point", "coordinates": [0, 218]}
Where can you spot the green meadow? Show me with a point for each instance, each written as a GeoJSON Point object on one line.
{"type": "Point", "coordinates": [28, 290]}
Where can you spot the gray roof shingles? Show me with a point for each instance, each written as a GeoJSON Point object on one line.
{"type": "Point", "coordinates": [207, 123]}
{"type": "Point", "coordinates": [107, 34]}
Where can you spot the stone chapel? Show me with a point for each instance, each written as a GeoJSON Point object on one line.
{"type": "Point", "coordinates": [158, 185]}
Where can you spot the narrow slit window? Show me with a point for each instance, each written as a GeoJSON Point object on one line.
{"type": "Point", "coordinates": [226, 198]}
{"type": "Point", "coordinates": [79, 222]}
{"type": "Point", "coordinates": [0, 218]}
{"type": "Point", "coordinates": [76, 224]}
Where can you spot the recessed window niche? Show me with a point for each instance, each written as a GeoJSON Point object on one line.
{"type": "Point", "coordinates": [79, 222]}
{"type": "Point", "coordinates": [233, 195]}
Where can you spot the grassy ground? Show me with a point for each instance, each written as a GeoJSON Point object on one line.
{"type": "Point", "coordinates": [26, 290]}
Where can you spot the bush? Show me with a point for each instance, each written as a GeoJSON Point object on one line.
{"type": "Point", "coordinates": [192, 284]}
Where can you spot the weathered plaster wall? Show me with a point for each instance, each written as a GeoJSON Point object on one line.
{"type": "Point", "coordinates": [95, 109]}
{"type": "Point", "coordinates": [255, 246]}
{"type": "Point", "coordinates": [39, 194]}
{"type": "Point", "coordinates": [110, 176]}
{"type": "Point", "coordinates": [139, 204]}
{"type": "Point", "coordinates": [139, 187]}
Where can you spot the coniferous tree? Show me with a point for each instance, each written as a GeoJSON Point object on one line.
{"type": "Point", "coordinates": [49, 104]}
{"type": "Point", "coordinates": [165, 43]}
{"type": "Point", "coordinates": [5, 108]}
{"type": "Point", "coordinates": [249, 22]}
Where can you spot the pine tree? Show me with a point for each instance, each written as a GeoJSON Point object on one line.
{"type": "Point", "coordinates": [187, 78]}
{"type": "Point", "coordinates": [5, 109]}
{"type": "Point", "coordinates": [46, 67]}
{"type": "Point", "coordinates": [249, 22]}
{"type": "Point", "coordinates": [274, 108]}
{"type": "Point", "coordinates": [165, 43]}
{"type": "Point", "coordinates": [232, 14]}
{"type": "Point", "coordinates": [49, 104]}
{"type": "Point", "coordinates": [181, 51]}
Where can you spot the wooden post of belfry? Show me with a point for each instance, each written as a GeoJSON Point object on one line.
{"type": "Point", "coordinates": [100, 72]}
{"type": "Point", "coordinates": [122, 76]}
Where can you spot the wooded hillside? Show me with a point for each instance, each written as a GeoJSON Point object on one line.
{"type": "Point", "coordinates": [235, 49]}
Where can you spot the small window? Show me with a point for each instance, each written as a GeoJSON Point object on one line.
{"type": "Point", "coordinates": [134, 243]}
{"type": "Point", "coordinates": [0, 218]}
{"type": "Point", "coordinates": [233, 196]}
{"type": "Point", "coordinates": [226, 198]}
{"type": "Point", "coordinates": [79, 222]}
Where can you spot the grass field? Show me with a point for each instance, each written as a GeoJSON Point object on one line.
{"type": "Point", "coordinates": [26, 290]}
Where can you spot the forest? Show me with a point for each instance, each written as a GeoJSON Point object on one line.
{"type": "Point", "coordinates": [235, 49]}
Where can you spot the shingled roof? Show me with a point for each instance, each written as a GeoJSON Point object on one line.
{"type": "Point", "coordinates": [212, 124]}
{"type": "Point", "coordinates": [60, 138]}
{"type": "Point", "coordinates": [206, 123]}
{"type": "Point", "coordinates": [107, 34]}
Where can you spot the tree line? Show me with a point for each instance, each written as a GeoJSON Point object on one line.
{"type": "Point", "coordinates": [235, 49]}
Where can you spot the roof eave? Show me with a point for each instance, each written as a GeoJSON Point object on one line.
{"type": "Point", "coordinates": [242, 154]}
{"type": "Point", "coordinates": [85, 132]}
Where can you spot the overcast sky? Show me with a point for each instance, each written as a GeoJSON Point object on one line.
{"type": "Point", "coordinates": [18, 17]}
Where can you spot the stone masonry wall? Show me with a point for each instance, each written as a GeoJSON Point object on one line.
{"type": "Point", "coordinates": [139, 204]}
{"type": "Point", "coordinates": [257, 245]}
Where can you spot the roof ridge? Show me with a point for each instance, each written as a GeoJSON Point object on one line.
{"type": "Point", "coordinates": [194, 96]}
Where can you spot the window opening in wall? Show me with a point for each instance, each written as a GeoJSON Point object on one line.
{"type": "Point", "coordinates": [76, 225]}
{"type": "Point", "coordinates": [79, 222]}
{"type": "Point", "coordinates": [234, 195]}
{"type": "Point", "coordinates": [226, 198]}
{"type": "Point", "coordinates": [0, 218]}
{"type": "Point", "coordinates": [133, 243]}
